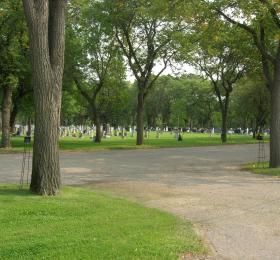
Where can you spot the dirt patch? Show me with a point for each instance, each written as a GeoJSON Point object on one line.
{"type": "Point", "coordinates": [189, 256]}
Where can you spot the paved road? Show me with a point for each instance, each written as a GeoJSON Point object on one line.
{"type": "Point", "coordinates": [238, 213]}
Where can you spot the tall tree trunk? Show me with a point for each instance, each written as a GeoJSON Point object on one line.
{"type": "Point", "coordinates": [16, 102]}
{"type": "Point", "coordinates": [98, 131]}
{"type": "Point", "coordinates": [13, 118]}
{"type": "Point", "coordinates": [149, 120]}
{"type": "Point", "coordinates": [224, 110]}
{"type": "Point", "coordinates": [29, 127]}
{"type": "Point", "coordinates": [140, 117]}
{"type": "Point", "coordinates": [96, 121]}
{"type": "Point", "coordinates": [46, 23]}
{"type": "Point", "coordinates": [275, 121]}
{"type": "Point", "coordinates": [6, 113]}
{"type": "Point", "coordinates": [224, 127]}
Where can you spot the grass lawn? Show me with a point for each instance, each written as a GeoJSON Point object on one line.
{"type": "Point", "coordinates": [263, 169]}
{"type": "Point", "coordinates": [166, 140]}
{"type": "Point", "coordinates": [82, 224]}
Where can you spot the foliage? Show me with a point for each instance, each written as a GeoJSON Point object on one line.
{"type": "Point", "coordinates": [251, 103]}
{"type": "Point", "coordinates": [187, 98]}
{"type": "Point", "coordinates": [14, 64]}
{"type": "Point", "coordinates": [192, 31]}
{"type": "Point", "coordinates": [93, 61]}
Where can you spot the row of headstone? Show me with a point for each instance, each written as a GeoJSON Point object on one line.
{"type": "Point", "coordinates": [80, 131]}
{"type": "Point", "coordinates": [23, 130]}
{"type": "Point", "coordinates": [107, 131]}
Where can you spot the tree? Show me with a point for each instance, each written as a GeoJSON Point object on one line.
{"type": "Point", "coordinates": [13, 41]}
{"type": "Point", "coordinates": [73, 107]}
{"type": "Point", "coordinates": [251, 103]}
{"type": "Point", "coordinates": [224, 70]}
{"type": "Point", "coordinates": [260, 19]}
{"type": "Point", "coordinates": [117, 104]}
{"type": "Point", "coordinates": [22, 96]}
{"type": "Point", "coordinates": [46, 24]}
{"type": "Point", "coordinates": [194, 102]}
{"type": "Point", "coordinates": [217, 56]}
{"type": "Point", "coordinates": [144, 31]}
{"type": "Point", "coordinates": [6, 111]}
{"type": "Point", "coordinates": [188, 98]}
{"type": "Point", "coordinates": [158, 103]}
{"type": "Point", "coordinates": [98, 66]}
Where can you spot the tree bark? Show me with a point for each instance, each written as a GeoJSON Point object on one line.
{"type": "Point", "coordinates": [275, 120]}
{"type": "Point", "coordinates": [13, 118]}
{"type": "Point", "coordinates": [16, 103]}
{"type": "Point", "coordinates": [29, 127]}
{"type": "Point", "coordinates": [224, 106]}
{"type": "Point", "coordinates": [98, 131]}
{"type": "Point", "coordinates": [6, 113]}
{"type": "Point", "coordinates": [224, 127]}
{"type": "Point", "coordinates": [46, 23]}
{"type": "Point", "coordinates": [96, 120]}
{"type": "Point", "coordinates": [140, 117]}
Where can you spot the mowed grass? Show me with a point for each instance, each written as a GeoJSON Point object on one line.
{"type": "Point", "coordinates": [263, 168]}
{"type": "Point", "coordinates": [82, 224]}
{"type": "Point", "coordinates": [166, 140]}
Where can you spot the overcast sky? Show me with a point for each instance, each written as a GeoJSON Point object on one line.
{"type": "Point", "coordinates": [180, 69]}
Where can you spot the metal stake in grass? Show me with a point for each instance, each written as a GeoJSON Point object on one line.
{"type": "Point", "coordinates": [261, 150]}
{"type": "Point", "coordinates": [25, 160]}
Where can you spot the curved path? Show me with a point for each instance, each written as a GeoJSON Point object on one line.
{"type": "Point", "coordinates": [237, 212]}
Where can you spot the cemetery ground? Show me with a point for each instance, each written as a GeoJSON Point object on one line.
{"type": "Point", "coordinates": [234, 212]}
{"type": "Point", "coordinates": [166, 140]}
{"type": "Point", "coordinates": [82, 224]}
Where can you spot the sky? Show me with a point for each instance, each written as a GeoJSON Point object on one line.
{"type": "Point", "coordinates": [178, 70]}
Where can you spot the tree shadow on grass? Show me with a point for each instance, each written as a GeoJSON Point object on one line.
{"type": "Point", "coordinates": [14, 190]}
